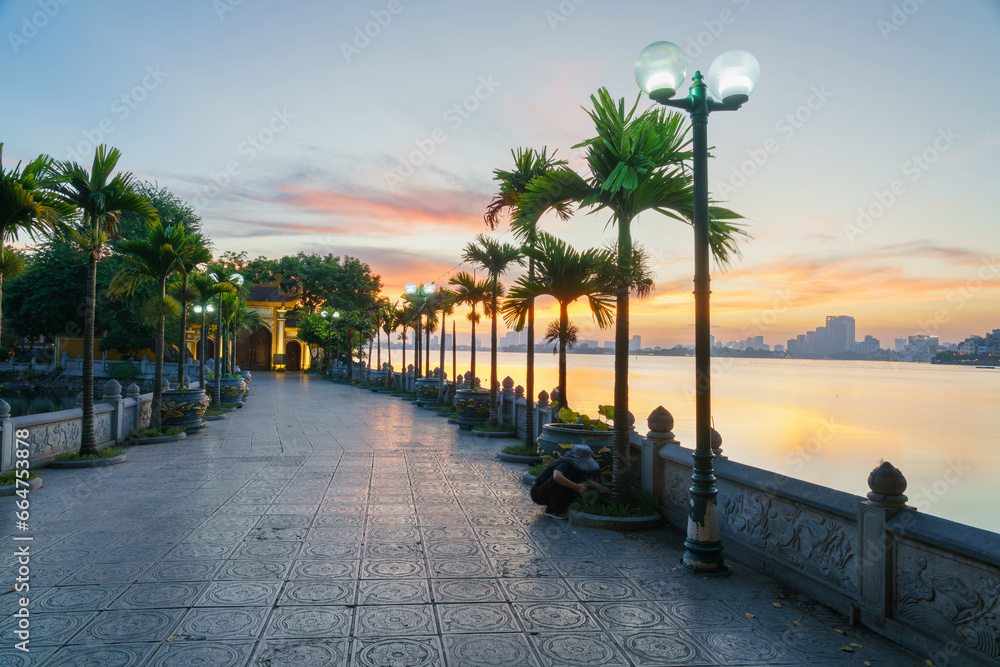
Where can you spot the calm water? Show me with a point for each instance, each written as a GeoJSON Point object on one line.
{"type": "Point", "coordinates": [828, 422]}
{"type": "Point", "coordinates": [26, 402]}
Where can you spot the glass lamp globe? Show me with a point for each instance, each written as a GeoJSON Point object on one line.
{"type": "Point", "coordinates": [336, 314]}
{"type": "Point", "coordinates": [197, 309]}
{"type": "Point", "coordinates": [733, 76]}
{"type": "Point", "coordinates": [410, 288]}
{"type": "Point", "coordinates": [209, 308]}
{"type": "Point", "coordinates": [324, 313]}
{"type": "Point", "coordinates": [236, 279]}
{"type": "Point", "coordinates": [660, 70]}
{"type": "Point", "coordinates": [429, 288]}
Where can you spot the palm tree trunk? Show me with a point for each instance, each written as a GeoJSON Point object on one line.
{"type": "Point", "coordinates": [416, 351]}
{"type": "Point", "coordinates": [427, 348]}
{"type": "Point", "coordinates": [204, 343]}
{"type": "Point", "coordinates": [154, 415]}
{"type": "Point", "coordinates": [388, 351]}
{"type": "Point", "coordinates": [563, 331]}
{"type": "Point", "coordinates": [88, 445]}
{"type": "Point", "coordinates": [405, 386]}
{"type": "Point", "coordinates": [529, 392]}
{"type": "Point", "coordinates": [472, 363]}
{"type": "Point", "coordinates": [621, 479]}
{"type": "Point", "coordinates": [181, 345]}
{"type": "Point", "coordinates": [493, 358]}
{"type": "Point", "coordinates": [441, 374]}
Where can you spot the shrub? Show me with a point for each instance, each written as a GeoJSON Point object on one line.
{"type": "Point", "coordinates": [520, 450]}
{"type": "Point", "coordinates": [106, 453]}
{"type": "Point", "coordinates": [147, 432]}
{"type": "Point", "coordinates": [7, 478]}
{"type": "Point", "coordinates": [125, 372]}
{"type": "Point", "coordinates": [643, 504]}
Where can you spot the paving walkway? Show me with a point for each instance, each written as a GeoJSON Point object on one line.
{"type": "Point", "coordinates": [325, 525]}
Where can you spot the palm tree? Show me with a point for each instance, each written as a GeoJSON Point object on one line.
{"type": "Point", "coordinates": [101, 199]}
{"type": "Point", "coordinates": [26, 205]}
{"type": "Point", "coordinates": [207, 290]}
{"type": "Point", "coordinates": [471, 292]}
{"type": "Point", "coordinates": [390, 322]}
{"type": "Point", "coordinates": [153, 258]}
{"type": "Point", "coordinates": [636, 164]}
{"type": "Point", "coordinates": [496, 258]}
{"type": "Point", "coordinates": [405, 315]}
{"type": "Point", "coordinates": [220, 273]}
{"type": "Point", "coordinates": [244, 321]}
{"type": "Point", "coordinates": [567, 275]}
{"type": "Point", "coordinates": [528, 165]}
{"type": "Point", "coordinates": [444, 301]}
{"type": "Point", "coordinates": [190, 254]}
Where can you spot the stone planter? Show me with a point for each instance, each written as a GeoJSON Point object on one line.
{"type": "Point", "coordinates": [558, 438]}
{"type": "Point", "coordinates": [494, 434]}
{"type": "Point", "coordinates": [614, 522]}
{"type": "Point", "coordinates": [527, 479]}
{"type": "Point", "coordinates": [214, 418]}
{"type": "Point", "coordinates": [339, 374]}
{"type": "Point", "coordinates": [246, 378]}
{"type": "Point", "coordinates": [184, 408]}
{"type": "Point", "coordinates": [517, 458]}
{"type": "Point", "coordinates": [156, 440]}
{"type": "Point", "coordinates": [473, 408]}
{"type": "Point", "coordinates": [426, 390]}
{"type": "Point", "coordinates": [231, 390]}
{"type": "Point", "coordinates": [11, 489]}
{"type": "Point", "coordinates": [378, 380]}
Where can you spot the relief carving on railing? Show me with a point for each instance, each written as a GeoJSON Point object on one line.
{"type": "Point", "coordinates": [676, 483]}
{"type": "Point", "coordinates": [51, 439]}
{"type": "Point", "coordinates": [102, 428]}
{"type": "Point", "coordinates": [808, 541]}
{"type": "Point", "coordinates": [145, 413]}
{"type": "Point", "coordinates": [962, 610]}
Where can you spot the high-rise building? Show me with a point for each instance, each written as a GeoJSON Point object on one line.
{"type": "Point", "coordinates": [839, 334]}
{"type": "Point", "coordinates": [900, 345]}
{"type": "Point", "coordinates": [755, 342]}
{"type": "Point", "coordinates": [635, 343]}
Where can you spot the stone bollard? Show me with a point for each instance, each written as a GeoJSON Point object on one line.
{"type": "Point", "coordinates": [133, 391]}
{"type": "Point", "coordinates": [113, 397]}
{"type": "Point", "coordinates": [79, 399]}
{"type": "Point", "coordinates": [875, 557]}
{"type": "Point", "coordinates": [112, 391]}
{"type": "Point", "coordinates": [7, 438]}
{"type": "Point", "coordinates": [717, 444]}
{"type": "Point", "coordinates": [659, 437]}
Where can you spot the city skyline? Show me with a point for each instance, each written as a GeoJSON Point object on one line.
{"type": "Point", "coordinates": [373, 131]}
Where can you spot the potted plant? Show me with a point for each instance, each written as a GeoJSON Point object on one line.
{"type": "Point", "coordinates": [472, 406]}
{"type": "Point", "coordinates": [579, 429]}
{"type": "Point", "coordinates": [231, 388]}
{"type": "Point", "coordinates": [184, 408]}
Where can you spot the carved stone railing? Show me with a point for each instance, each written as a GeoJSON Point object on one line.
{"type": "Point", "coordinates": [928, 583]}
{"type": "Point", "coordinates": [54, 433]}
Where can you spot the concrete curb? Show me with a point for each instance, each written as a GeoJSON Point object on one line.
{"type": "Point", "coordinates": [614, 522]}
{"type": "Point", "coordinates": [517, 458]}
{"type": "Point", "coordinates": [11, 489]}
{"type": "Point", "coordinates": [156, 440]}
{"type": "Point", "coordinates": [94, 463]}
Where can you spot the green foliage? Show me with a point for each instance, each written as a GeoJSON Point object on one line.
{"type": "Point", "coordinates": [147, 432]}
{"type": "Point", "coordinates": [643, 503]}
{"type": "Point", "coordinates": [494, 428]}
{"type": "Point", "coordinates": [125, 373]}
{"type": "Point", "coordinates": [8, 477]}
{"type": "Point", "coordinates": [106, 453]}
{"type": "Point", "coordinates": [536, 469]}
{"type": "Point", "coordinates": [520, 450]}
{"type": "Point", "coordinates": [568, 416]}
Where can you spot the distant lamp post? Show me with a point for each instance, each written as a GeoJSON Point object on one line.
{"type": "Point", "coordinates": [204, 312]}
{"type": "Point", "coordinates": [425, 290]}
{"type": "Point", "coordinates": [334, 317]}
{"type": "Point", "coordinates": [660, 70]}
{"type": "Point", "coordinates": [235, 279]}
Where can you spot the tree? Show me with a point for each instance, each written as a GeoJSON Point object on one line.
{"type": "Point", "coordinates": [101, 199]}
{"type": "Point", "coordinates": [528, 165]}
{"type": "Point", "coordinates": [471, 292]}
{"type": "Point", "coordinates": [496, 258]}
{"type": "Point", "coordinates": [636, 164]}
{"type": "Point", "coordinates": [207, 291]}
{"type": "Point", "coordinates": [26, 205]}
{"type": "Point", "coordinates": [191, 253]}
{"type": "Point", "coordinates": [567, 275]}
{"type": "Point", "coordinates": [152, 259]}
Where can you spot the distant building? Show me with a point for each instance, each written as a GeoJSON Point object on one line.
{"type": "Point", "coordinates": [779, 349]}
{"type": "Point", "coordinates": [635, 343]}
{"type": "Point", "coordinates": [587, 343]}
{"type": "Point", "coordinates": [609, 345]}
{"type": "Point", "coordinates": [869, 347]}
{"type": "Point", "coordinates": [755, 342]}
{"type": "Point", "coordinates": [839, 334]}
{"type": "Point", "coordinates": [900, 345]}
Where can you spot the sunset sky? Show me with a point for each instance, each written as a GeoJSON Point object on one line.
{"type": "Point", "coordinates": [866, 163]}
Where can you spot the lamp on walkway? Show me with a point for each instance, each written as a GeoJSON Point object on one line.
{"type": "Point", "coordinates": [204, 312]}
{"type": "Point", "coordinates": [660, 70]}
{"type": "Point", "coordinates": [424, 291]}
{"type": "Point", "coordinates": [334, 317]}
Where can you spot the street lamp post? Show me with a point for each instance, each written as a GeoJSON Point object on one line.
{"type": "Point", "coordinates": [235, 279]}
{"type": "Point", "coordinates": [424, 291]}
{"type": "Point", "coordinates": [208, 309]}
{"type": "Point", "coordinates": [333, 317]}
{"type": "Point", "coordinates": [660, 69]}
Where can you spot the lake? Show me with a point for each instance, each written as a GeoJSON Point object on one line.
{"type": "Point", "coordinates": [827, 422]}
{"type": "Point", "coordinates": [27, 402]}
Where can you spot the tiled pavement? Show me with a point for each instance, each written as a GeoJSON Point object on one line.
{"type": "Point", "coordinates": [325, 525]}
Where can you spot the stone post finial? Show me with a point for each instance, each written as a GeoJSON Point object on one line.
{"type": "Point", "coordinates": [112, 390]}
{"type": "Point", "coordinates": [887, 485]}
{"type": "Point", "coordinates": [507, 383]}
{"type": "Point", "coordinates": [79, 399]}
{"type": "Point", "coordinates": [543, 398]}
{"type": "Point", "coordinates": [661, 426]}
{"type": "Point", "coordinates": [4, 409]}
{"type": "Point", "coordinates": [166, 383]}
{"type": "Point", "coordinates": [519, 391]}
{"type": "Point", "coordinates": [717, 444]}
{"type": "Point", "coordinates": [133, 390]}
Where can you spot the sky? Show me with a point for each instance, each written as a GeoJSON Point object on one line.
{"type": "Point", "coordinates": [865, 163]}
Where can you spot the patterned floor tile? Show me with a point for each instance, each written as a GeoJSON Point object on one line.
{"type": "Point", "coordinates": [310, 622]}
{"type": "Point", "coordinates": [729, 646]}
{"type": "Point", "coordinates": [422, 652]}
{"type": "Point", "coordinates": [394, 620]}
{"type": "Point", "coordinates": [386, 568]}
{"type": "Point", "coordinates": [376, 591]}
{"type": "Point", "coordinates": [47, 628]}
{"type": "Point", "coordinates": [323, 550]}
{"type": "Point", "coordinates": [216, 654]}
{"type": "Point", "coordinates": [255, 569]}
{"type": "Point", "coordinates": [578, 649]}
{"type": "Point", "coordinates": [328, 653]}
{"type": "Point", "coordinates": [605, 589]}
{"type": "Point", "coordinates": [110, 655]}
{"type": "Point", "coordinates": [181, 570]}
{"type": "Point", "coordinates": [627, 616]}
{"type": "Point", "coordinates": [267, 550]}
{"type": "Point", "coordinates": [467, 590]}
{"type": "Point", "coordinates": [479, 617]}
{"type": "Point", "coordinates": [524, 567]}
{"type": "Point", "coordinates": [212, 623]}
{"type": "Point", "coordinates": [526, 590]}
{"type": "Point", "coordinates": [129, 625]}
{"type": "Point", "coordinates": [492, 650]}
{"type": "Point", "coordinates": [159, 595]}
{"type": "Point", "coordinates": [549, 616]}
{"type": "Point", "coordinates": [459, 567]}
{"type": "Point", "coordinates": [698, 614]}
{"type": "Point", "coordinates": [318, 592]}
{"type": "Point", "coordinates": [78, 598]}
{"type": "Point", "coordinates": [392, 550]}
{"type": "Point", "coordinates": [239, 593]}
{"type": "Point", "coordinates": [324, 569]}
{"type": "Point", "coordinates": [659, 648]}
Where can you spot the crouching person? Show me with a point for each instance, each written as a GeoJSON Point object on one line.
{"type": "Point", "coordinates": [558, 485]}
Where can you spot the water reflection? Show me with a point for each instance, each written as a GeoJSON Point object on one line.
{"type": "Point", "coordinates": [27, 402]}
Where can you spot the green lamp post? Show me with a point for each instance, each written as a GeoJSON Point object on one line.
{"type": "Point", "coordinates": [334, 317]}
{"type": "Point", "coordinates": [660, 70]}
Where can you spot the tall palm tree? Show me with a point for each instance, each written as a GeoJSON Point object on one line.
{"type": "Point", "coordinates": [406, 316]}
{"type": "Point", "coordinates": [207, 291]}
{"type": "Point", "coordinates": [471, 292]}
{"type": "Point", "coordinates": [101, 197]}
{"type": "Point", "coordinates": [191, 253]}
{"type": "Point", "coordinates": [567, 275]}
{"type": "Point", "coordinates": [152, 258]}
{"type": "Point", "coordinates": [636, 164]}
{"type": "Point", "coordinates": [496, 258]}
{"type": "Point", "coordinates": [528, 165]}
{"type": "Point", "coordinates": [223, 273]}
{"type": "Point", "coordinates": [444, 301]}
{"type": "Point", "coordinates": [26, 205]}
{"type": "Point", "coordinates": [390, 322]}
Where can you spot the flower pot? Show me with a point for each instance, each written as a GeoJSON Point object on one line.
{"type": "Point", "coordinates": [426, 389]}
{"type": "Point", "coordinates": [246, 377]}
{"type": "Point", "coordinates": [231, 390]}
{"type": "Point", "coordinates": [184, 408]}
{"type": "Point", "coordinates": [559, 438]}
{"type": "Point", "coordinates": [378, 380]}
{"type": "Point", "coordinates": [473, 408]}
{"type": "Point", "coordinates": [339, 374]}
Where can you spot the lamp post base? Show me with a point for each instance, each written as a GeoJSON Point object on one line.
{"type": "Point", "coordinates": [704, 559]}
